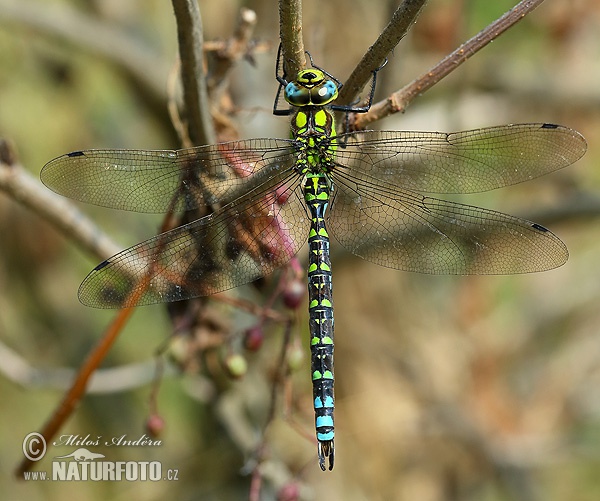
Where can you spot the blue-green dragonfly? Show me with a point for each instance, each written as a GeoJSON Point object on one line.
{"type": "Point", "coordinates": [370, 189]}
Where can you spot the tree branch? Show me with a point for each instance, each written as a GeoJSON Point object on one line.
{"type": "Point", "coordinates": [401, 21]}
{"type": "Point", "coordinates": [193, 77]}
{"type": "Point", "coordinates": [58, 211]}
{"type": "Point", "coordinates": [290, 34]}
{"type": "Point", "coordinates": [399, 101]}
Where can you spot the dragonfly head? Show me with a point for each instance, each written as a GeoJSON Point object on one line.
{"type": "Point", "coordinates": [311, 88]}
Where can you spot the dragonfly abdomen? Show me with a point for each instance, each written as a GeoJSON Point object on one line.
{"type": "Point", "coordinates": [320, 296]}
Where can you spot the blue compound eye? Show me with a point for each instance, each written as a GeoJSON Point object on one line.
{"type": "Point", "coordinates": [296, 95]}
{"type": "Point", "coordinates": [325, 93]}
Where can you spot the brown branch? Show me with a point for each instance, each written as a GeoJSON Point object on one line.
{"type": "Point", "coordinates": [221, 62]}
{"type": "Point", "coordinates": [58, 211]}
{"type": "Point", "coordinates": [78, 388]}
{"type": "Point", "coordinates": [290, 34]}
{"type": "Point", "coordinates": [401, 21]}
{"type": "Point", "coordinates": [399, 101]}
{"type": "Point", "coordinates": [237, 46]}
{"type": "Point", "coordinates": [193, 77]}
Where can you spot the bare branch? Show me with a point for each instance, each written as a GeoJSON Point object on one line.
{"type": "Point", "coordinates": [399, 101]}
{"type": "Point", "coordinates": [220, 62]}
{"type": "Point", "coordinates": [193, 76]}
{"type": "Point", "coordinates": [113, 380]}
{"type": "Point", "coordinates": [234, 49]}
{"type": "Point", "coordinates": [57, 210]}
{"type": "Point", "coordinates": [401, 21]}
{"type": "Point", "coordinates": [73, 396]}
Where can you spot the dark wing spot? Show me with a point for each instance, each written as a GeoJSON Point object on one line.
{"type": "Point", "coordinates": [549, 126]}
{"type": "Point", "coordinates": [76, 154]}
{"type": "Point", "coordinates": [539, 227]}
{"type": "Point", "coordinates": [102, 265]}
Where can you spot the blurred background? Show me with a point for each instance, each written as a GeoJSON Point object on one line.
{"type": "Point", "coordinates": [447, 388]}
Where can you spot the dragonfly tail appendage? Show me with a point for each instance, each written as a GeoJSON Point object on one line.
{"type": "Point", "coordinates": [326, 450]}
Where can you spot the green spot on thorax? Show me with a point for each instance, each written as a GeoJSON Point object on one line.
{"type": "Point", "coordinates": [301, 120]}
{"type": "Point", "coordinates": [321, 117]}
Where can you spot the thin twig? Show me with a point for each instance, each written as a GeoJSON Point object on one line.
{"type": "Point", "coordinates": [193, 76]}
{"type": "Point", "coordinates": [399, 100]}
{"type": "Point", "coordinates": [234, 49]}
{"type": "Point", "coordinates": [401, 21]}
{"type": "Point", "coordinates": [221, 62]}
{"type": "Point", "coordinates": [78, 388]}
{"type": "Point", "coordinates": [253, 308]}
{"type": "Point", "coordinates": [258, 46]}
{"type": "Point", "coordinates": [259, 455]}
{"type": "Point", "coordinates": [125, 377]}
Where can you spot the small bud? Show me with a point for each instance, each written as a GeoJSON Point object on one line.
{"type": "Point", "coordinates": [254, 337]}
{"type": "Point", "coordinates": [236, 365]}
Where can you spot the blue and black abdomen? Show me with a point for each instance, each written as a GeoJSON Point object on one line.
{"type": "Point", "coordinates": [320, 297]}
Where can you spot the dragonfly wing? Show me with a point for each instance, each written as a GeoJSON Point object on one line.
{"type": "Point", "coordinates": [158, 180]}
{"type": "Point", "coordinates": [460, 162]}
{"type": "Point", "coordinates": [404, 230]}
{"type": "Point", "coordinates": [241, 242]}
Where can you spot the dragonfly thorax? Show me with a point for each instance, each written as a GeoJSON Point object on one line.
{"type": "Point", "coordinates": [314, 132]}
{"type": "Point", "coordinates": [311, 88]}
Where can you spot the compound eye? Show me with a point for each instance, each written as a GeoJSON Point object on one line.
{"type": "Point", "coordinates": [296, 95]}
{"type": "Point", "coordinates": [324, 93]}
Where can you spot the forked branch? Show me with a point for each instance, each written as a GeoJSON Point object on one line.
{"type": "Point", "coordinates": [399, 101]}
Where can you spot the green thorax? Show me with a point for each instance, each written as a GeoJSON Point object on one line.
{"type": "Point", "coordinates": [313, 125]}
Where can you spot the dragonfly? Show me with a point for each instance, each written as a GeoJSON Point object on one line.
{"type": "Point", "coordinates": [370, 189]}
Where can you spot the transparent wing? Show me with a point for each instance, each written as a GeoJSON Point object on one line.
{"type": "Point", "coordinates": [241, 242]}
{"type": "Point", "coordinates": [405, 230]}
{"type": "Point", "coordinates": [154, 181]}
{"type": "Point", "coordinates": [460, 162]}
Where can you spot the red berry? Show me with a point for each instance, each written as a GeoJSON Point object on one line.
{"type": "Point", "coordinates": [294, 293]}
{"type": "Point", "coordinates": [254, 337]}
